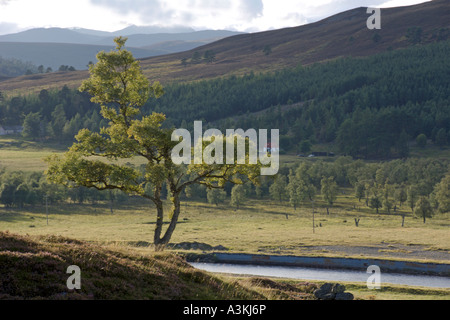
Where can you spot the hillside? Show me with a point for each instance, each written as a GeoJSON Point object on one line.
{"type": "Point", "coordinates": [35, 268]}
{"type": "Point", "coordinates": [371, 107]}
{"type": "Point", "coordinates": [341, 35]}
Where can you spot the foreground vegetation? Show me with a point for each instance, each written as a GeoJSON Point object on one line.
{"type": "Point", "coordinates": [34, 267]}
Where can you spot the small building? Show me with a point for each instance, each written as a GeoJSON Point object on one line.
{"type": "Point", "coordinates": [7, 130]}
{"type": "Point", "coordinates": [271, 147]}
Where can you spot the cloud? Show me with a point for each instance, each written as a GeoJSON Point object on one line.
{"type": "Point", "coordinates": [8, 27]}
{"type": "Point", "coordinates": [252, 8]}
{"type": "Point", "coordinates": [200, 13]}
{"type": "Point", "coordinates": [320, 9]}
{"type": "Point", "coordinates": [243, 15]}
{"type": "Point", "coordinates": [149, 10]}
{"type": "Point", "coordinates": [401, 3]}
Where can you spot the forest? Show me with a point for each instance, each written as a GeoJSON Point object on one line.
{"type": "Point", "coordinates": [369, 108]}
{"type": "Point", "coordinates": [10, 67]}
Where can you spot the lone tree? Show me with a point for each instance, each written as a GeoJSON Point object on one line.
{"type": "Point", "coordinates": [216, 196]}
{"type": "Point", "coordinates": [278, 188]}
{"type": "Point", "coordinates": [421, 140]}
{"type": "Point", "coordinates": [238, 196]}
{"type": "Point", "coordinates": [360, 191]}
{"type": "Point", "coordinates": [329, 190]}
{"type": "Point", "coordinates": [423, 209]}
{"type": "Point", "coordinates": [442, 194]}
{"type": "Point", "coordinates": [209, 56]}
{"type": "Point", "coordinates": [117, 83]}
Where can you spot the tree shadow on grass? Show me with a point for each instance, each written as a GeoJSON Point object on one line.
{"type": "Point", "coordinates": [12, 215]}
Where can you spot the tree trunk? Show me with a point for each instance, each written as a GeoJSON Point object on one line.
{"type": "Point", "coordinates": [328, 212]}
{"type": "Point", "coordinates": [160, 243]}
{"type": "Point", "coordinates": [111, 202]}
{"type": "Point", "coordinates": [174, 220]}
{"type": "Point", "coordinates": [159, 225]}
{"type": "Point", "coordinates": [159, 219]}
{"type": "Point", "coordinates": [403, 220]}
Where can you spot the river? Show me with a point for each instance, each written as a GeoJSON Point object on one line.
{"type": "Point", "coordinates": [323, 274]}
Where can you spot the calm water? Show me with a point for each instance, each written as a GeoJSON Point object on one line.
{"type": "Point", "coordinates": [324, 274]}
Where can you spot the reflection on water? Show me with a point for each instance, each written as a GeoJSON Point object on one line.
{"type": "Point", "coordinates": [324, 274]}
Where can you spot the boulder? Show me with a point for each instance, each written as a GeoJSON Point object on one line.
{"type": "Point", "coordinates": [344, 296]}
{"type": "Point", "coordinates": [332, 291]}
{"type": "Point", "coordinates": [338, 288]}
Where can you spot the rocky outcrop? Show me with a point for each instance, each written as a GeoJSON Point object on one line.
{"type": "Point", "coordinates": [197, 246]}
{"type": "Point", "coordinates": [332, 291]}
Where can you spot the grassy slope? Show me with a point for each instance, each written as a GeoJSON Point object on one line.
{"type": "Point", "coordinates": [35, 268]}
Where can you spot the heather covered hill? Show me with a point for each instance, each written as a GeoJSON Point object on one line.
{"type": "Point", "coordinates": [35, 268]}
{"type": "Point", "coordinates": [341, 35]}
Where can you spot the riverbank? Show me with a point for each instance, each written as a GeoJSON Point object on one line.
{"type": "Point", "coordinates": [394, 266]}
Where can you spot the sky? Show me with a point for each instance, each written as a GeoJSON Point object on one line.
{"type": "Point", "coordinates": [236, 15]}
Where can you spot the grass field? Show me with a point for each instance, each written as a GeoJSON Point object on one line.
{"type": "Point", "coordinates": [18, 154]}
{"type": "Point", "coordinates": [260, 227]}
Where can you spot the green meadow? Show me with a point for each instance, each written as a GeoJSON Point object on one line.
{"type": "Point", "coordinates": [259, 227]}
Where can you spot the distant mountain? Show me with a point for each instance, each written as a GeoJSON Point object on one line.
{"type": "Point", "coordinates": [137, 36]}
{"type": "Point", "coordinates": [152, 30]}
{"type": "Point", "coordinates": [56, 54]}
{"type": "Point", "coordinates": [92, 32]}
{"type": "Point", "coordinates": [145, 40]}
{"type": "Point", "coordinates": [50, 35]}
{"type": "Point", "coordinates": [135, 30]}
{"type": "Point", "coordinates": [53, 47]}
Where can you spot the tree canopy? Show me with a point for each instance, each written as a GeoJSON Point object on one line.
{"type": "Point", "coordinates": [119, 86]}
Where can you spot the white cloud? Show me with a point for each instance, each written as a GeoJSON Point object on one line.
{"type": "Point", "coordinates": [7, 27]}
{"type": "Point", "coordinates": [27, 14]}
{"type": "Point", "coordinates": [111, 15]}
{"type": "Point", "coordinates": [212, 14]}
{"type": "Point", "coordinates": [401, 3]}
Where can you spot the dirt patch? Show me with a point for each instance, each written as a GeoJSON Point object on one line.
{"type": "Point", "coordinates": [297, 291]}
{"type": "Point", "coordinates": [197, 246]}
{"type": "Point", "coordinates": [385, 250]}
